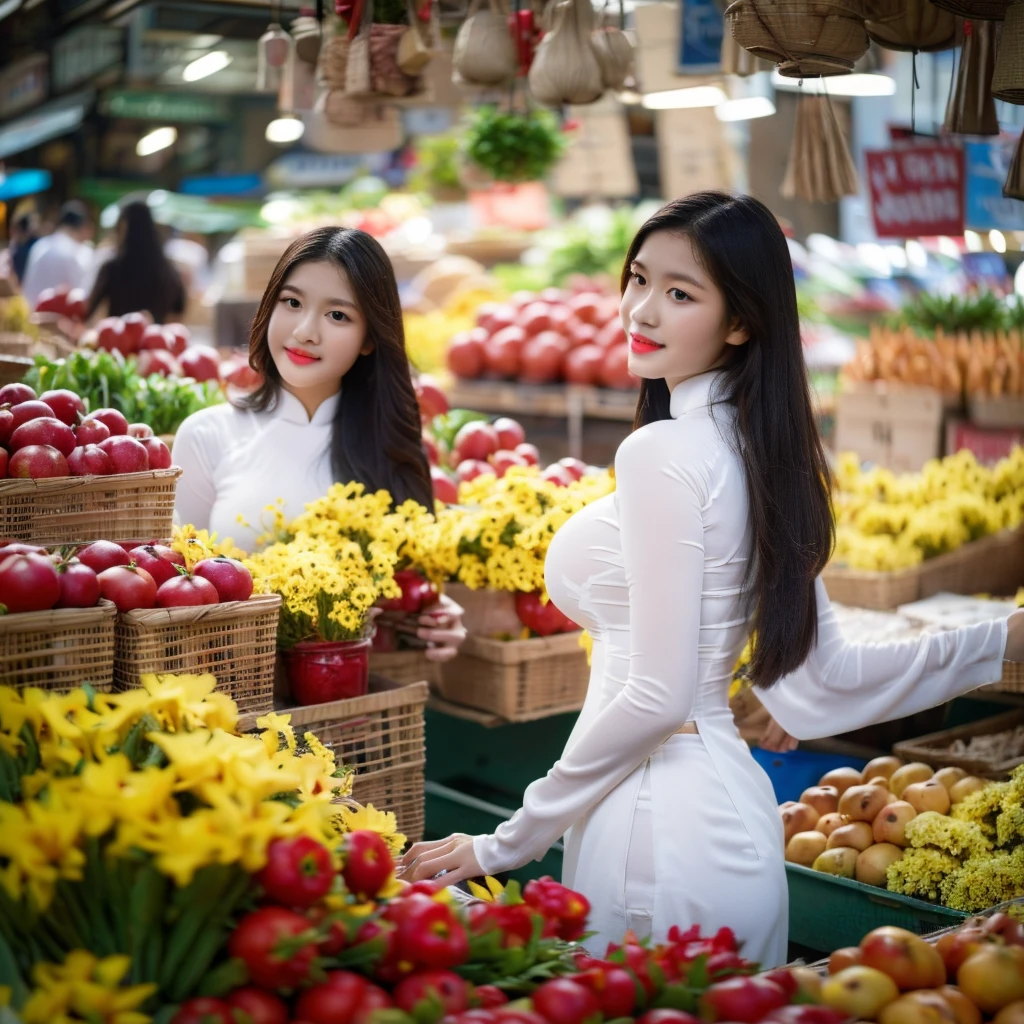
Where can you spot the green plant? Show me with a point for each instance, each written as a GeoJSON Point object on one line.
{"type": "Point", "coordinates": [437, 163]}
{"type": "Point", "coordinates": [513, 147]}
{"type": "Point", "coordinates": [952, 313]}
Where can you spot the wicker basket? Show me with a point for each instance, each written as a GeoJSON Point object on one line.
{"type": "Point", "coordinates": [404, 666]}
{"type": "Point", "coordinates": [518, 680]}
{"type": "Point", "coordinates": [1012, 681]}
{"type": "Point", "coordinates": [59, 650]}
{"type": "Point", "coordinates": [486, 612]}
{"type": "Point", "coordinates": [382, 736]}
{"type": "Point", "coordinates": [83, 509]}
{"type": "Point", "coordinates": [933, 749]}
{"type": "Point", "coordinates": [235, 641]}
{"type": "Point", "coordinates": [13, 343]}
{"type": "Point", "coordinates": [1008, 79]}
{"type": "Point", "coordinates": [978, 10]}
{"type": "Point", "coordinates": [909, 25]}
{"type": "Point", "coordinates": [14, 368]}
{"type": "Point", "coordinates": [806, 38]}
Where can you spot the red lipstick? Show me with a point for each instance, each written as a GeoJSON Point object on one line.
{"type": "Point", "coordinates": [643, 346]}
{"type": "Point", "coordinates": [301, 358]}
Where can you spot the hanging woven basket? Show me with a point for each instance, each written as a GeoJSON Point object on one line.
{"type": "Point", "coordinates": [977, 10]}
{"type": "Point", "coordinates": [909, 25]}
{"type": "Point", "coordinates": [806, 38]}
{"type": "Point", "coordinates": [820, 167]}
{"type": "Point", "coordinates": [1008, 79]}
{"type": "Point", "coordinates": [972, 110]}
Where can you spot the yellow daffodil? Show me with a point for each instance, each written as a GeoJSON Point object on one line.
{"type": "Point", "coordinates": [85, 988]}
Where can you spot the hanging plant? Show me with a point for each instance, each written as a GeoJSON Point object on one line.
{"type": "Point", "coordinates": [513, 147]}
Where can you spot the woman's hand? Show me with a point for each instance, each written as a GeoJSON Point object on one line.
{"type": "Point", "coordinates": [1015, 637]}
{"type": "Point", "coordinates": [776, 740]}
{"type": "Point", "coordinates": [454, 856]}
{"type": "Point", "coordinates": [442, 628]}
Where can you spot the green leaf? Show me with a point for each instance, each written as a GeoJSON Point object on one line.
{"type": "Point", "coordinates": [224, 978]}
{"type": "Point", "coordinates": [10, 975]}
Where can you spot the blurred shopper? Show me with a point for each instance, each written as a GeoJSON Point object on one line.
{"type": "Point", "coordinates": [139, 276]}
{"type": "Point", "coordinates": [62, 259]}
{"type": "Point", "coordinates": [24, 235]}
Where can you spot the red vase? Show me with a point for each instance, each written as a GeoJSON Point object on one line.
{"type": "Point", "coordinates": [319, 672]}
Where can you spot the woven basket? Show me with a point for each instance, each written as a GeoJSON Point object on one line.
{"type": "Point", "coordinates": [330, 69]}
{"type": "Point", "coordinates": [235, 641]}
{"type": "Point", "coordinates": [1008, 78]}
{"type": "Point", "coordinates": [59, 650]}
{"type": "Point", "coordinates": [486, 613]}
{"type": "Point", "coordinates": [404, 666]}
{"type": "Point", "coordinates": [978, 10]}
{"type": "Point", "coordinates": [382, 737]}
{"type": "Point", "coordinates": [806, 38]}
{"type": "Point", "coordinates": [1012, 681]}
{"type": "Point", "coordinates": [933, 749]}
{"type": "Point", "coordinates": [14, 368]}
{"type": "Point", "coordinates": [15, 344]}
{"type": "Point", "coordinates": [518, 680]}
{"type": "Point", "coordinates": [82, 509]}
{"type": "Point", "coordinates": [909, 25]}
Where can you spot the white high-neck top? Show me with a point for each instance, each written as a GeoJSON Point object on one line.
{"type": "Point", "coordinates": [237, 462]}
{"type": "Point", "coordinates": [655, 572]}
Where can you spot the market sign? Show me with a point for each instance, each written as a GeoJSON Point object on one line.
{"type": "Point", "coordinates": [701, 30]}
{"type": "Point", "coordinates": [988, 164]}
{"type": "Point", "coordinates": [173, 107]}
{"type": "Point", "coordinates": [322, 170]}
{"type": "Point", "coordinates": [916, 191]}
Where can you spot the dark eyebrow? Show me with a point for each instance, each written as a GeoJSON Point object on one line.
{"type": "Point", "coordinates": [330, 302]}
{"type": "Point", "coordinates": [673, 275]}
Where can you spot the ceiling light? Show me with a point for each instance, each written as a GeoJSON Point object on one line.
{"type": "Point", "coordinates": [154, 141]}
{"type": "Point", "coordinates": [948, 247]}
{"type": "Point", "coordinates": [208, 64]}
{"type": "Point", "coordinates": [679, 99]}
{"type": "Point", "coordinates": [283, 130]}
{"type": "Point", "coordinates": [838, 85]}
{"type": "Point", "coordinates": [916, 254]}
{"type": "Point", "coordinates": [745, 109]}
{"type": "Point", "coordinates": [973, 241]}
{"type": "Point", "coordinates": [997, 240]}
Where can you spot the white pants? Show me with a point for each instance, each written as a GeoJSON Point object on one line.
{"type": "Point", "coordinates": [639, 901]}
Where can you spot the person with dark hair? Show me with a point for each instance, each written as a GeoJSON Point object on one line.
{"type": "Point", "coordinates": [138, 277]}
{"type": "Point", "coordinates": [337, 404]}
{"type": "Point", "coordinates": [24, 235]}
{"type": "Point", "coordinates": [721, 524]}
{"type": "Point", "coordinates": [61, 259]}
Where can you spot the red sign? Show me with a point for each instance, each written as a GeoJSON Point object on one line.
{"type": "Point", "coordinates": [917, 191]}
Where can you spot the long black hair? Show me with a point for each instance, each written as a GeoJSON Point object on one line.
{"type": "Point", "coordinates": [737, 240]}
{"type": "Point", "coordinates": [376, 438]}
{"type": "Point", "coordinates": [140, 276]}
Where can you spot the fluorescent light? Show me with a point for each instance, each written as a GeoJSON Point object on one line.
{"type": "Point", "coordinates": [948, 247]}
{"type": "Point", "coordinates": [745, 109]}
{"type": "Point", "coordinates": [283, 130]}
{"type": "Point", "coordinates": [208, 64]}
{"type": "Point", "coordinates": [679, 99]}
{"type": "Point", "coordinates": [629, 97]}
{"type": "Point", "coordinates": [838, 85]}
{"type": "Point", "coordinates": [973, 241]}
{"type": "Point", "coordinates": [157, 139]}
{"type": "Point", "coordinates": [997, 240]}
{"type": "Point", "coordinates": [916, 253]}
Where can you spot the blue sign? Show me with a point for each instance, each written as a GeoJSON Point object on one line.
{"type": "Point", "coordinates": [701, 29]}
{"type": "Point", "coordinates": [23, 183]}
{"type": "Point", "coordinates": [986, 207]}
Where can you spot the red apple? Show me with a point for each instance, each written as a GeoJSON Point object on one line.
{"type": "Point", "coordinates": [28, 583]}
{"type": "Point", "coordinates": [510, 433]}
{"type": "Point", "coordinates": [583, 365]}
{"type": "Point", "coordinates": [575, 468]}
{"type": "Point", "coordinates": [91, 431]}
{"type": "Point", "coordinates": [42, 432]}
{"type": "Point", "coordinates": [38, 461]}
{"type": "Point", "coordinates": [610, 335]}
{"type": "Point", "coordinates": [53, 300]}
{"type": "Point", "coordinates": [466, 354]}
{"type": "Point", "coordinates": [503, 351]}
{"type": "Point", "coordinates": [158, 452]}
{"type": "Point", "coordinates": [158, 560]}
{"type": "Point", "coordinates": [238, 373]}
{"type": "Point", "coordinates": [470, 469]}
{"type": "Point", "coordinates": [433, 401]}
{"type": "Point", "coordinates": [6, 425]}
{"type": "Point", "coordinates": [743, 1000]}
{"type": "Point", "coordinates": [66, 405]}
{"type": "Point", "coordinates": [127, 454]}
{"type": "Point", "coordinates": [430, 447]}
{"type": "Point", "coordinates": [76, 304]}
{"type": "Point", "coordinates": [494, 318]}
{"type": "Point", "coordinates": [178, 335]}
{"type": "Point", "coordinates": [200, 362]}
{"type": "Point", "coordinates": [15, 394]}
{"type": "Point", "coordinates": [444, 487]}
{"type": "Point", "coordinates": [103, 555]}
{"type": "Point", "coordinates": [111, 336]}
{"type": "Point", "coordinates": [184, 591]}
{"type": "Point", "coordinates": [154, 337]}
{"type": "Point", "coordinates": [128, 587]}
{"type": "Point", "coordinates": [557, 475]}
{"type": "Point", "coordinates": [139, 430]}
{"type": "Point", "coordinates": [910, 961]}
{"type": "Point", "coordinates": [90, 460]}
{"type": "Point", "coordinates": [79, 585]}
{"type": "Point", "coordinates": [528, 452]}
{"type": "Point", "coordinates": [476, 440]}
{"type": "Point", "coordinates": [502, 461]}
{"type": "Point", "coordinates": [32, 410]}
{"type": "Point", "coordinates": [112, 419]}
{"type": "Point", "coordinates": [135, 325]}
{"type": "Point", "coordinates": [542, 357]}
{"type": "Point", "coordinates": [3, 462]}
{"type": "Point", "coordinates": [230, 577]}
{"type": "Point", "coordinates": [535, 317]}
{"type": "Point", "coordinates": [157, 361]}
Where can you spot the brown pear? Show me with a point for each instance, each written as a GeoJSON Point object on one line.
{"type": "Point", "coordinates": [873, 863]}
{"type": "Point", "coordinates": [928, 796]}
{"type": "Point", "coordinates": [950, 776]}
{"type": "Point", "coordinates": [857, 836]}
{"type": "Point", "coordinates": [805, 848]}
{"type": "Point", "coordinates": [841, 861]}
{"type": "Point", "coordinates": [882, 766]}
{"type": "Point", "coordinates": [798, 818]}
{"type": "Point", "coordinates": [862, 803]}
{"type": "Point", "coordinates": [828, 823]}
{"type": "Point", "coordinates": [909, 774]}
{"type": "Point", "coordinates": [965, 787]}
{"type": "Point", "coordinates": [824, 799]}
{"type": "Point", "coordinates": [842, 779]}
{"type": "Point", "coordinates": [891, 824]}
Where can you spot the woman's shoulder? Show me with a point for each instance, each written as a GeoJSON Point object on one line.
{"type": "Point", "coordinates": [213, 423]}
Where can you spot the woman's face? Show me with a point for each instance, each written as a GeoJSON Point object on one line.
{"type": "Point", "coordinates": [674, 315]}
{"type": "Point", "coordinates": [316, 331]}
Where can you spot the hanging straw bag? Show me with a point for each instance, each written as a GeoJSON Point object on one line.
{"type": "Point", "coordinates": [484, 52]}
{"type": "Point", "coordinates": [909, 25]}
{"type": "Point", "coordinates": [972, 109]}
{"type": "Point", "coordinates": [613, 49]}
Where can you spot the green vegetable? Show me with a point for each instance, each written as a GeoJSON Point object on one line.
{"type": "Point", "coordinates": [514, 147]}
{"type": "Point", "coordinates": [986, 312]}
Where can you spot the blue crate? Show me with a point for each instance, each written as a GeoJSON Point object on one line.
{"type": "Point", "coordinates": [792, 773]}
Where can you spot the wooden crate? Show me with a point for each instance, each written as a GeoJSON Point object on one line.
{"type": "Point", "coordinates": [382, 737]}
{"type": "Point", "coordinates": [404, 666]}
{"type": "Point", "coordinates": [518, 680]}
{"type": "Point", "coordinates": [933, 749]}
{"type": "Point", "coordinates": [60, 649]}
{"type": "Point", "coordinates": [235, 641]}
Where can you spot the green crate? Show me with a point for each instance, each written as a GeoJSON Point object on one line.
{"type": "Point", "coordinates": [827, 913]}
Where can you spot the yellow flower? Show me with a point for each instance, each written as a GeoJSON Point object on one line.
{"type": "Point", "coordinates": [356, 818]}
{"type": "Point", "coordinates": [494, 891]}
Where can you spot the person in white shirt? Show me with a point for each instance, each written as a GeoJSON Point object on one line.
{"type": "Point", "coordinates": [61, 259]}
{"type": "Point", "coordinates": [337, 405]}
{"type": "Point", "coordinates": [721, 523]}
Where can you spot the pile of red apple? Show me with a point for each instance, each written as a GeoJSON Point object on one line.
{"type": "Point", "coordinates": [545, 338]}
{"type": "Point", "coordinates": [54, 436]}
{"type": "Point", "coordinates": [72, 303]}
{"type": "Point", "coordinates": [33, 579]}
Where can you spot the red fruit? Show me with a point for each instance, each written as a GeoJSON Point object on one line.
{"type": "Point", "coordinates": [502, 352]}
{"type": "Point", "coordinates": [535, 317]}
{"type": "Point", "coordinates": [157, 361]}
{"type": "Point", "coordinates": [158, 454]}
{"type": "Point", "coordinates": [66, 405]}
{"type": "Point", "coordinates": [367, 863]}
{"type": "Point", "coordinates": [203, 1010]}
{"type": "Point", "coordinates": [129, 588]}
{"type": "Point", "coordinates": [583, 365]}
{"type": "Point", "coordinates": [135, 325]}
{"type": "Point", "coordinates": [52, 300]}
{"type": "Point", "coordinates": [76, 304]}
{"type": "Point", "coordinates": [200, 362]}
{"type": "Point", "coordinates": [103, 555]}
{"type": "Point", "coordinates": [508, 1015]}
{"type": "Point", "coordinates": [785, 979]}
{"type": "Point", "coordinates": [79, 586]}
{"type": "Point", "coordinates": [444, 488]}
{"type": "Point", "coordinates": [557, 475]}
{"type": "Point", "coordinates": [44, 432]}
{"type": "Point", "coordinates": [586, 307]}
{"type": "Point", "coordinates": [573, 467]}
{"type": "Point", "coordinates": [611, 335]}
{"type": "Point", "coordinates": [6, 425]}
{"type": "Point", "coordinates": [261, 1007]}
{"type": "Point", "coordinates": [28, 583]}
{"type": "Point", "coordinates": [91, 431]}
{"type": "Point", "coordinates": [344, 998]}
{"type": "Point", "coordinates": [185, 591]}
{"type": "Point", "coordinates": [541, 358]}
{"type": "Point", "coordinates": [298, 872]}
{"type": "Point", "coordinates": [542, 619]}
{"type": "Point", "coordinates": [494, 318]}
{"type": "Point", "coordinates": [268, 941]}
{"type": "Point", "coordinates": [476, 440]}
{"type": "Point", "coordinates": [614, 987]}
{"type": "Point", "coordinates": [231, 578]}
{"type": "Point", "coordinates": [112, 337]}
{"type": "Point", "coordinates": [33, 409]}
{"type": "Point", "coordinates": [3, 462]}
{"type": "Point", "coordinates": [528, 452]}
{"type": "Point", "coordinates": [240, 374]}
{"type": "Point", "coordinates": [140, 431]}
{"type": "Point", "coordinates": [15, 394]}
{"type": "Point", "coordinates": [158, 560]}
{"type": "Point", "coordinates": [667, 1017]}
{"type": "Point", "coordinates": [470, 469]}
{"type": "Point", "coordinates": [490, 996]}
{"type": "Point", "coordinates": [432, 400]}
{"type": "Point", "coordinates": [430, 448]}
{"type": "Point", "coordinates": [15, 547]}
{"type": "Point", "coordinates": [443, 987]}
{"type": "Point", "coordinates": [562, 1001]}
{"type": "Point", "coordinates": [745, 1000]}
{"type": "Point", "coordinates": [510, 433]}
{"type": "Point", "coordinates": [37, 461]}
{"type": "Point", "coordinates": [430, 935]}
{"type": "Point", "coordinates": [154, 338]}
{"type": "Point", "coordinates": [503, 461]}
{"type": "Point", "coordinates": [126, 454]}
{"type": "Point", "coordinates": [179, 336]}
{"type": "Point", "coordinates": [581, 334]}
{"type": "Point", "coordinates": [615, 371]}
{"type": "Point", "coordinates": [466, 357]}
{"type": "Point", "coordinates": [806, 1015]}
{"type": "Point", "coordinates": [112, 419]}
